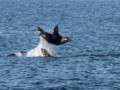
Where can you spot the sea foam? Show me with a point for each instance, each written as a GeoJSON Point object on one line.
{"type": "Point", "coordinates": [37, 50]}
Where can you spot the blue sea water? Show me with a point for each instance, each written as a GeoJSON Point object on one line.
{"type": "Point", "coordinates": [90, 62]}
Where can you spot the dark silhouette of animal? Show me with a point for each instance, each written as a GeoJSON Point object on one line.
{"type": "Point", "coordinates": [45, 52]}
{"type": "Point", "coordinates": [54, 38]}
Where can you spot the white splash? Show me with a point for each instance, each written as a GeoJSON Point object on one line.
{"type": "Point", "coordinates": [18, 54]}
{"type": "Point", "coordinates": [37, 50]}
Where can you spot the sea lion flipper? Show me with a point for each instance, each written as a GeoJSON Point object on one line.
{"type": "Point", "coordinates": [56, 31]}
{"type": "Point", "coordinates": [40, 29]}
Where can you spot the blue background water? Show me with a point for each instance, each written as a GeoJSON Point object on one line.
{"type": "Point", "coordinates": [90, 62]}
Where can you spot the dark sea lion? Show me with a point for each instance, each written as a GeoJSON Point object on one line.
{"type": "Point", "coordinates": [45, 52]}
{"type": "Point", "coordinates": [54, 38]}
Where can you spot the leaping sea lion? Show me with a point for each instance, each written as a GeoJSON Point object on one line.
{"type": "Point", "coordinates": [54, 38]}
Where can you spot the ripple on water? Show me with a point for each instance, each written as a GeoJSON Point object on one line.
{"type": "Point", "coordinates": [89, 62]}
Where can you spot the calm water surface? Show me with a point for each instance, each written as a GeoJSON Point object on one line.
{"type": "Point", "coordinates": [90, 62]}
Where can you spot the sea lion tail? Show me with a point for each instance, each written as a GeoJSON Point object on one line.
{"type": "Point", "coordinates": [40, 29]}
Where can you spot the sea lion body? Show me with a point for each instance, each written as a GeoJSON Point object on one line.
{"type": "Point", "coordinates": [54, 38]}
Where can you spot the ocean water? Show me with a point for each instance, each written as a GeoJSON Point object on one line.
{"type": "Point", "coordinates": [91, 61]}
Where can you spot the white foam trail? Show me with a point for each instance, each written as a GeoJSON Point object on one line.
{"type": "Point", "coordinates": [18, 54]}
{"type": "Point", "coordinates": [37, 50]}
